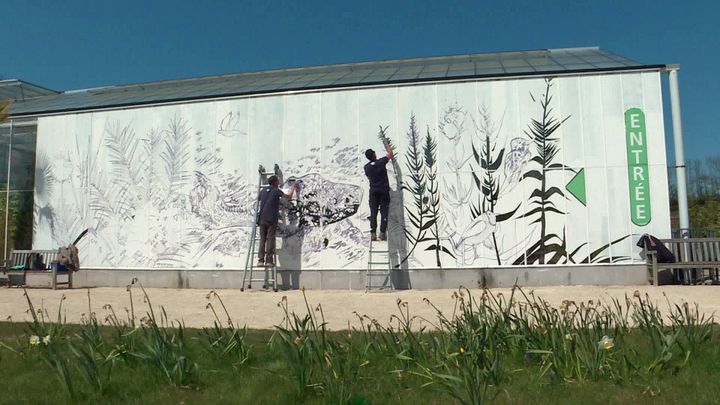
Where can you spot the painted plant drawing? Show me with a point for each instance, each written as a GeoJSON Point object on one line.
{"type": "Point", "coordinates": [495, 174]}
{"type": "Point", "coordinates": [186, 215]}
{"type": "Point", "coordinates": [481, 177]}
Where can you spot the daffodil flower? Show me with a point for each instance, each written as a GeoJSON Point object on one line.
{"type": "Point", "coordinates": [46, 340]}
{"type": "Point", "coordinates": [606, 343]}
{"type": "Point", "coordinates": [34, 340]}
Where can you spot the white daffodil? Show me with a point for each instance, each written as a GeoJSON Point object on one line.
{"type": "Point", "coordinates": [34, 340]}
{"type": "Point", "coordinates": [606, 343]}
{"type": "Point", "coordinates": [46, 340]}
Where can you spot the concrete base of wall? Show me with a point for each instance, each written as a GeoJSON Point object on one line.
{"type": "Point", "coordinates": [355, 280]}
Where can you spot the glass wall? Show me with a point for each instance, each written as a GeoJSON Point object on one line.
{"type": "Point", "coordinates": [17, 172]}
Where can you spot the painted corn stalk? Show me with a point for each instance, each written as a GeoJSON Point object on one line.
{"type": "Point", "coordinates": [418, 212]}
{"type": "Point", "coordinates": [433, 196]}
{"type": "Point", "coordinates": [488, 182]}
{"type": "Point", "coordinates": [383, 137]}
{"type": "Point", "coordinates": [542, 199]}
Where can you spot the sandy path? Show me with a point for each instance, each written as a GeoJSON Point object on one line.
{"type": "Point", "coordinates": [259, 309]}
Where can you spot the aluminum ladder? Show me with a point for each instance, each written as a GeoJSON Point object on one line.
{"type": "Point", "coordinates": [269, 274]}
{"type": "Point", "coordinates": [379, 268]}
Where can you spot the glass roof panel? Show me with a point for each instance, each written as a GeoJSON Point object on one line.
{"type": "Point", "coordinates": [578, 66]}
{"type": "Point", "coordinates": [359, 73]}
{"type": "Point", "coordinates": [375, 78]}
{"type": "Point", "coordinates": [441, 67]}
{"type": "Point", "coordinates": [489, 64]}
{"type": "Point", "coordinates": [461, 73]}
{"type": "Point", "coordinates": [606, 64]}
{"type": "Point", "coordinates": [516, 69]}
{"type": "Point", "coordinates": [436, 68]}
{"type": "Point", "coordinates": [462, 66]}
{"type": "Point", "coordinates": [490, 71]}
{"type": "Point", "coordinates": [405, 76]}
{"type": "Point", "coordinates": [514, 62]}
{"type": "Point", "coordinates": [410, 69]}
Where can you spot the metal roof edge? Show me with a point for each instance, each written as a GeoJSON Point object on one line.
{"type": "Point", "coordinates": [506, 76]}
{"type": "Point", "coordinates": [350, 65]}
{"type": "Point", "coordinates": [10, 82]}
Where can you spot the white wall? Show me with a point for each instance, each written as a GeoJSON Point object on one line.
{"type": "Point", "coordinates": [173, 186]}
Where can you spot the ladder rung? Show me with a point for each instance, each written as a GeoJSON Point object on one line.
{"type": "Point", "coordinates": [381, 251]}
{"type": "Point", "coordinates": [386, 263]}
{"type": "Point", "coordinates": [377, 273]}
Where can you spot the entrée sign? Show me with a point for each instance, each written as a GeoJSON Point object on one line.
{"type": "Point", "coordinates": [638, 171]}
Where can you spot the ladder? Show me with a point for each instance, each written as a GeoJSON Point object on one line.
{"type": "Point", "coordinates": [269, 274]}
{"type": "Point", "coordinates": [379, 266]}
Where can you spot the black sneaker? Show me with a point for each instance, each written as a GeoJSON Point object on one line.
{"type": "Point", "coordinates": [269, 264]}
{"type": "Point", "coordinates": [260, 263]}
{"type": "Point", "coordinates": [383, 236]}
{"type": "Point", "coordinates": [373, 237]}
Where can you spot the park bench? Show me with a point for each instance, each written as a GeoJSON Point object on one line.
{"type": "Point", "coordinates": [694, 257]}
{"type": "Point", "coordinates": [21, 263]}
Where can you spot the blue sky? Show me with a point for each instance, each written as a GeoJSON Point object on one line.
{"type": "Point", "coordinates": [70, 44]}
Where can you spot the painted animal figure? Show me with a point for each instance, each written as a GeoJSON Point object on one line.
{"type": "Point", "coordinates": [320, 202]}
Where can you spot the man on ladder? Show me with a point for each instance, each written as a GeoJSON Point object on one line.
{"type": "Point", "coordinates": [268, 219]}
{"type": "Point", "coordinates": [379, 190]}
{"type": "Point", "coordinates": [379, 199]}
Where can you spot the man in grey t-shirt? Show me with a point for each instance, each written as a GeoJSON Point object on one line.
{"type": "Point", "coordinates": [268, 219]}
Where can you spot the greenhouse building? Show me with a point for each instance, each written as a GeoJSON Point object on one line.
{"type": "Point", "coordinates": [541, 167]}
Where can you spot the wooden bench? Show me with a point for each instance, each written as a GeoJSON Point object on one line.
{"type": "Point", "coordinates": [23, 257]}
{"type": "Point", "coordinates": [693, 256]}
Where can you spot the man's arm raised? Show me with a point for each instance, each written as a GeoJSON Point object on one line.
{"type": "Point", "coordinates": [389, 150]}
{"type": "Point", "coordinates": [289, 196]}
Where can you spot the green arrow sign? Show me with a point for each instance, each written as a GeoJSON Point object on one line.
{"type": "Point", "coordinates": [576, 187]}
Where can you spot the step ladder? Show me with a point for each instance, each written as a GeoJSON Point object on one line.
{"type": "Point", "coordinates": [269, 274]}
{"type": "Point", "coordinates": [379, 266]}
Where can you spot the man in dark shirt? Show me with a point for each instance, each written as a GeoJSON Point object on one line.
{"type": "Point", "coordinates": [268, 220]}
{"type": "Point", "coordinates": [379, 190]}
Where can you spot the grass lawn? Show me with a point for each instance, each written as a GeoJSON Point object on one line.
{"type": "Point", "coordinates": [505, 353]}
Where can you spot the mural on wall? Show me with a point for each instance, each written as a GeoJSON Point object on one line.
{"type": "Point", "coordinates": [213, 217]}
{"type": "Point", "coordinates": [478, 180]}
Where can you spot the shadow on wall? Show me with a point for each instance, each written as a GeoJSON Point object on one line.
{"type": "Point", "coordinates": [397, 242]}
{"type": "Point", "coordinates": [290, 262]}
{"type": "Point", "coordinates": [289, 259]}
